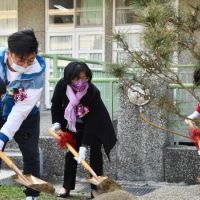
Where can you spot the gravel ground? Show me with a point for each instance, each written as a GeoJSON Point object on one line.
{"type": "Point", "coordinates": [164, 193]}
{"type": "Point", "coordinates": [174, 193]}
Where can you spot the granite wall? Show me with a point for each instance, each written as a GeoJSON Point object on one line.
{"type": "Point", "coordinates": [141, 147]}
{"type": "Point", "coordinates": [182, 164]}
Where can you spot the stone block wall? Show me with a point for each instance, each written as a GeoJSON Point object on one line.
{"type": "Point", "coordinates": [182, 164]}
{"type": "Point", "coordinates": [141, 147]}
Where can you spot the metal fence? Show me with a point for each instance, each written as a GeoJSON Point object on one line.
{"type": "Point", "coordinates": [184, 101]}
{"type": "Point", "coordinates": [105, 81]}
{"type": "Point", "coordinates": [107, 84]}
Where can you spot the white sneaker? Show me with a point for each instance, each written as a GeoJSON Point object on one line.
{"type": "Point", "coordinates": [31, 198]}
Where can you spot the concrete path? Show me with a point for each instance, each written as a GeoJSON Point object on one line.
{"type": "Point", "coordinates": [45, 122]}
{"type": "Point", "coordinates": [141, 190]}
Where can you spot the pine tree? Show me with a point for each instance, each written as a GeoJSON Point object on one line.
{"type": "Point", "coordinates": [169, 31]}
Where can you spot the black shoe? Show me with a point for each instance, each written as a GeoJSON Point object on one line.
{"type": "Point", "coordinates": [63, 195]}
{"type": "Point", "coordinates": [92, 196]}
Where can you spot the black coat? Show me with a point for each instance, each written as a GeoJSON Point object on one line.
{"type": "Point", "coordinates": [96, 123]}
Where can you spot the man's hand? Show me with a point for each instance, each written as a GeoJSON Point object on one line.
{"type": "Point", "coordinates": [82, 154]}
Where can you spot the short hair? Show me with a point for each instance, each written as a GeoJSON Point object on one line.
{"type": "Point", "coordinates": [23, 42]}
{"type": "Point", "coordinates": [73, 70]}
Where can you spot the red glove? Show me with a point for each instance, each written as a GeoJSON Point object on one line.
{"type": "Point", "coordinates": [195, 136]}
{"type": "Point", "coordinates": [65, 137]}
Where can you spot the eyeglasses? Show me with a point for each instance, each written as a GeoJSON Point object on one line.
{"type": "Point", "coordinates": [23, 61]}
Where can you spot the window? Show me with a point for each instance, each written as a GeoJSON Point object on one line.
{"type": "Point", "coordinates": [89, 13]}
{"type": "Point", "coordinates": [75, 28]}
{"type": "Point", "coordinates": [79, 13]}
{"type": "Point", "coordinates": [90, 47]}
{"type": "Point", "coordinates": [3, 41]}
{"type": "Point", "coordinates": [61, 12]}
{"type": "Point", "coordinates": [134, 41]}
{"type": "Point", "coordinates": [8, 20]}
{"type": "Point", "coordinates": [90, 42]}
{"type": "Point", "coordinates": [60, 43]}
{"type": "Point", "coordinates": [124, 13]}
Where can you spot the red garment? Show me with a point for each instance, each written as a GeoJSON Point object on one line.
{"type": "Point", "coordinates": [195, 136]}
{"type": "Point", "coordinates": [64, 138]}
{"type": "Point", "coordinates": [197, 108]}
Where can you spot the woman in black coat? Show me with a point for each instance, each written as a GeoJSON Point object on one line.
{"type": "Point", "coordinates": [77, 107]}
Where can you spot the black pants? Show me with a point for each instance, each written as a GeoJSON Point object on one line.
{"type": "Point", "coordinates": [96, 162]}
{"type": "Point", "coordinates": [27, 138]}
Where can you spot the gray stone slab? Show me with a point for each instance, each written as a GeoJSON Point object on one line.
{"type": "Point", "coordinates": [140, 147]}
{"type": "Point", "coordinates": [182, 164]}
{"type": "Point", "coordinates": [52, 159]}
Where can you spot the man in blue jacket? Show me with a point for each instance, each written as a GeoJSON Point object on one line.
{"type": "Point", "coordinates": [22, 70]}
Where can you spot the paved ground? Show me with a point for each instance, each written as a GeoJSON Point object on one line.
{"type": "Point", "coordinates": [45, 122]}
{"type": "Point", "coordinates": [145, 191]}
{"type": "Point", "coordinates": [141, 190]}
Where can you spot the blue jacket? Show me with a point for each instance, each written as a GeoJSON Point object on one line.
{"type": "Point", "coordinates": [15, 109]}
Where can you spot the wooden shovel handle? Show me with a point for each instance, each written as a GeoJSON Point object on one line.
{"type": "Point", "coordinates": [12, 166]}
{"type": "Point", "coordinates": [83, 162]}
{"type": "Point", "coordinates": [191, 125]}
{"type": "Point", "coordinates": [76, 154]}
{"type": "Point", "coordinates": [10, 163]}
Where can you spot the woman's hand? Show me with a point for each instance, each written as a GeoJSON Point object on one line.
{"type": "Point", "coordinates": [82, 154]}
{"type": "Point", "coordinates": [55, 126]}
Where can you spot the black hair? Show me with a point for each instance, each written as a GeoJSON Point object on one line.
{"type": "Point", "coordinates": [196, 77]}
{"type": "Point", "coordinates": [73, 70]}
{"type": "Point", "coordinates": [23, 42]}
{"type": "Point", "coordinates": [2, 87]}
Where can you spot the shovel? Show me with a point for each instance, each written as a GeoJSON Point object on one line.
{"type": "Point", "coordinates": [27, 180]}
{"type": "Point", "coordinates": [103, 183]}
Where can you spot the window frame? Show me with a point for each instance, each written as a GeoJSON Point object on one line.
{"type": "Point", "coordinates": [6, 33]}
{"type": "Point", "coordinates": [114, 18]}
{"type": "Point", "coordinates": [75, 32]}
{"type": "Point", "coordinates": [64, 27]}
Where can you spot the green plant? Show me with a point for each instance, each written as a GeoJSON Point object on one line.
{"type": "Point", "coordinates": [11, 192]}
{"type": "Point", "coordinates": [168, 32]}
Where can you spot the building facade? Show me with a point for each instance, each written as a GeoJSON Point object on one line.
{"type": "Point", "coordinates": [73, 28]}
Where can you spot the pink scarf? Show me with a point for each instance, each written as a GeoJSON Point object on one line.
{"type": "Point", "coordinates": [70, 110]}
